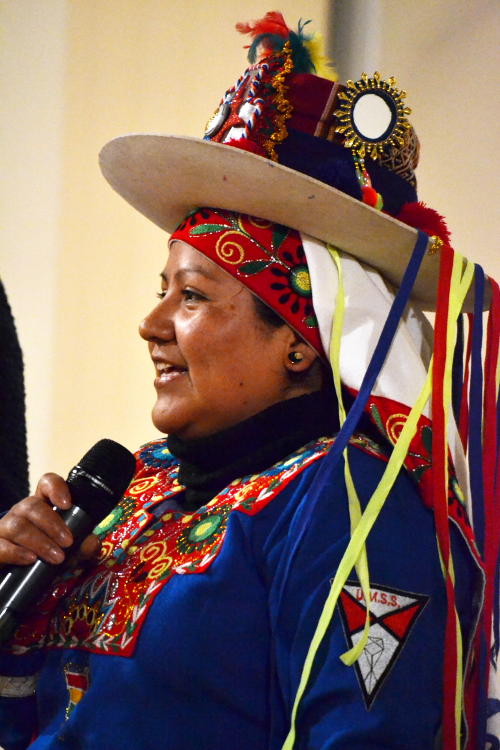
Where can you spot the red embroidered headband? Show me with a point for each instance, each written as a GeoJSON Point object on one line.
{"type": "Point", "coordinates": [267, 258]}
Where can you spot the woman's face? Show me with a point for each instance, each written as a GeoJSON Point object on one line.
{"type": "Point", "coordinates": [216, 362]}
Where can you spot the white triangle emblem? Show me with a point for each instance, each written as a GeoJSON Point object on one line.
{"type": "Point", "coordinates": [392, 616]}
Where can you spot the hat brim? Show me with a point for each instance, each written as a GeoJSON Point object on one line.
{"type": "Point", "coordinates": [166, 176]}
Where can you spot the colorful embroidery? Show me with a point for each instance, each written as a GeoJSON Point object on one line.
{"type": "Point", "coordinates": [254, 111]}
{"type": "Point", "coordinates": [144, 543]}
{"type": "Point", "coordinates": [392, 616]}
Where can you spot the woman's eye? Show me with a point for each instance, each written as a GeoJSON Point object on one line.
{"type": "Point", "coordinates": [191, 296]}
{"type": "Point", "coordinates": [187, 294]}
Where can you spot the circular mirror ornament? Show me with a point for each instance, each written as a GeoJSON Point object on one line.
{"type": "Point", "coordinates": [218, 119]}
{"type": "Point", "coordinates": [372, 115]}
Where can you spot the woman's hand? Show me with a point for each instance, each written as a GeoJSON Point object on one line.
{"type": "Point", "coordinates": [32, 529]}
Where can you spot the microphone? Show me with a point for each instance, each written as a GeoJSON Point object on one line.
{"type": "Point", "coordinates": [96, 484]}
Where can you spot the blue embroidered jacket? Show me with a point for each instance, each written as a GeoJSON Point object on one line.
{"type": "Point", "coordinates": [192, 630]}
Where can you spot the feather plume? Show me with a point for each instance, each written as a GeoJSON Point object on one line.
{"type": "Point", "coordinates": [269, 35]}
{"type": "Point", "coordinates": [422, 217]}
{"type": "Point", "coordinates": [323, 66]}
{"type": "Point", "coordinates": [272, 23]}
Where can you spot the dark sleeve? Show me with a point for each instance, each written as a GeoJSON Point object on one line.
{"type": "Point", "coordinates": [18, 714]}
{"type": "Point", "coordinates": [13, 455]}
{"type": "Point", "coordinates": [392, 697]}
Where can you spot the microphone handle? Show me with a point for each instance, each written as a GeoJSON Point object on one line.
{"type": "Point", "coordinates": [21, 586]}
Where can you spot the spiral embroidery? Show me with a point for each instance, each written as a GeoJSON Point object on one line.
{"type": "Point", "coordinates": [228, 250]}
{"type": "Point", "coordinates": [138, 486]}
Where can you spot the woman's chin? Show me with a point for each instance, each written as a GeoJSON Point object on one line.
{"type": "Point", "coordinates": [174, 420]}
{"type": "Point", "coordinates": [165, 420]}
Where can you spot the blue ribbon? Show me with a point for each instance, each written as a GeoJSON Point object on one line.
{"type": "Point", "coordinates": [458, 369]}
{"type": "Point", "coordinates": [476, 412]}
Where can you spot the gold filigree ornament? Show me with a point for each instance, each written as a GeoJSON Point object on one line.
{"type": "Point", "coordinates": [284, 109]}
{"type": "Point", "coordinates": [372, 115]}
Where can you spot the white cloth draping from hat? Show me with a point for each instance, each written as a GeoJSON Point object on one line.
{"type": "Point", "coordinates": [368, 300]}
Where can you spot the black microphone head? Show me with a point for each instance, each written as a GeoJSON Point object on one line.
{"type": "Point", "coordinates": [99, 480]}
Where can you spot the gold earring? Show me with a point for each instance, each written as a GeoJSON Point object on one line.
{"type": "Point", "coordinates": [295, 357]}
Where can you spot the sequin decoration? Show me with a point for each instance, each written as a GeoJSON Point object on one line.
{"type": "Point", "coordinates": [257, 107]}
{"type": "Point", "coordinates": [283, 107]}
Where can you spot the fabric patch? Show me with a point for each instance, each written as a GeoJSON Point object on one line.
{"type": "Point", "coordinates": [17, 687]}
{"type": "Point", "coordinates": [392, 616]}
{"type": "Point", "coordinates": [77, 682]}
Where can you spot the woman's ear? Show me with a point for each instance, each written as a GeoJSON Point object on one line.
{"type": "Point", "coordinates": [299, 356]}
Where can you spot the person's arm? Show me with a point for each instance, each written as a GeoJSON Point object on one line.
{"type": "Point", "coordinates": [392, 698]}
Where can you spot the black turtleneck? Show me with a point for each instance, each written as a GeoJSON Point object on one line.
{"type": "Point", "coordinates": [209, 464]}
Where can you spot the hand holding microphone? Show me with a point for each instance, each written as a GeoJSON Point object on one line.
{"type": "Point", "coordinates": [36, 540]}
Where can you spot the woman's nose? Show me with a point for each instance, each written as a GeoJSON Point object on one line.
{"type": "Point", "coordinates": [158, 325]}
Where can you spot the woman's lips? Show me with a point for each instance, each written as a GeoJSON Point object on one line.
{"type": "Point", "coordinates": [168, 375]}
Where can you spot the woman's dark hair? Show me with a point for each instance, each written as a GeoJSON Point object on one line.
{"type": "Point", "coordinates": [267, 314]}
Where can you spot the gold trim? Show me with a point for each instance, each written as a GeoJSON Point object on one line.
{"type": "Point", "coordinates": [282, 104]}
{"type": "Point", "coordinates": [435, 244]}
{"type": "Point", "coordinates": [346, 127]}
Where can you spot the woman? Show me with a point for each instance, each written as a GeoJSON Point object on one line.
{"type": "Point", "coordinates": [234, 599]}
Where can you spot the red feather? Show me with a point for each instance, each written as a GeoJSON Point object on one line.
{"type": "Point", "coordinates": [272, 23]}
{"type": "Point", "coordinates": [422, 217]}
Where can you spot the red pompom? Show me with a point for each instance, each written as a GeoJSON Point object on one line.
{"type": "Point", "coordinates": [272, 23]}
{"type": "Point", "coordinates": [422, 217]}
{"type": "Point", "coordinates": [370, 195]}
{"type": "Point", "coordinates": [246, 145]}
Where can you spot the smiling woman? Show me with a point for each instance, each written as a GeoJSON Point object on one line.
{"type": "Point", "coordinates": [282, 572]}
{"type": "Point", "coordinates": [216, 362]}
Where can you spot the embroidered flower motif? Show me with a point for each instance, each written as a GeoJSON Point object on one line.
{"type": "Point", "coordinates": [111, 520]}
{"type": "Point", "coordinates": [119, 514]}
{"type": "Point", "coordinates": [295, 285]}
{"type": "Point", "coordinates": [205, 532]}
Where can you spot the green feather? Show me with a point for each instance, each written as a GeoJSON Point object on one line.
{"type": "Point", "coordinates": [301, 57]}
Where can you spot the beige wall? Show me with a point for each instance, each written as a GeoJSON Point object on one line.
{"type": "Point", "coordinates": [81, 267]}
{"type": "Point", "coordinates": [33, 53]}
